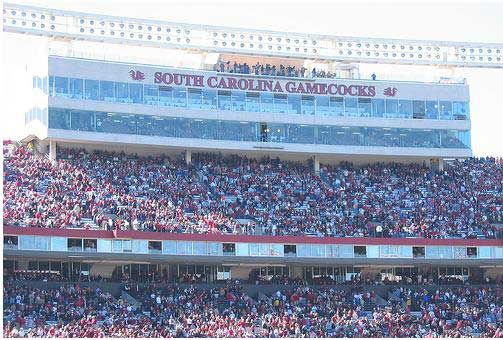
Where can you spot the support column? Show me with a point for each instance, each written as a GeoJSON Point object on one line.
{"type": "Point", "coordinates": [437, 164]}
{"type": "Point", "coordinates": [52, 150]}
{"type": "Point", "coordinates": [188, 157]}
{"type": "Point", "coordinates": [316, 164]}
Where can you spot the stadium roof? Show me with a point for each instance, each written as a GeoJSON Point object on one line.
{"type": "Point", "coordinates": [74, 25]}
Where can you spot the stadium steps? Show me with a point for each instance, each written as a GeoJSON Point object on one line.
{"type": "Point", "coordinates": [90, 221]}
{"type": "Point", "coordinates": [131, 300]}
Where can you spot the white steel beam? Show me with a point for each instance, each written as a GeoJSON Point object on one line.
{"type": "Point", "coordinates": [143, 32]}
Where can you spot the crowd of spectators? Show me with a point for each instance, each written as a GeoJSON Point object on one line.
{"type": "Point", "coordinates": [273, 70]}
{"type": "Point", "coordinates": [228, 311]}
{"type": "Point", "coordinates": [238, 195]}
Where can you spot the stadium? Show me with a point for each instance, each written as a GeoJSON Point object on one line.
{"type": "Point", "coordinates": [245, 183]}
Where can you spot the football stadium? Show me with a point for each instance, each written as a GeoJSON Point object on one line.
{"type": "Point", "coordinates": [245, 183]}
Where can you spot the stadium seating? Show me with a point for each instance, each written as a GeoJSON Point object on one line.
{"type": "Point", "coordinates": [228, 311]}
{"type": "Point", "coordinates": [237, 195]}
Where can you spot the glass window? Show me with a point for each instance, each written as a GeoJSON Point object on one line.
{"type": "Point", "coordinates": [141, 246]}
{"type": "Point", "coordinates": [169, 247]}
{"type": "Point", "coordinates": [51, 86]}
{"type": "Point", "coordinates": [61, 86]}
{"type": "Point", "coordinates": [391, 108]}
{"type": "Point", "coordinates": [104, 246]}
{"type": "Point", "coordinates": [107, 91]}
{"type": "Point", "coordinates": [224, 100]}
{"type": "Point", "coordinates": [59, 244]}
{"type": "Point", "coordinates": [304, 250]}
{"type": "Point", "coordinates": [254, 249]}
{"type": "Point", "coordinates": [117, 246]}
{"type": "Point", "coordinates": [122, 92]}
{"type": "Point", "coordinates": [276, 249]}
{"type": "Point", "coordinates": [151, 96]}
{"type": "Point", "coordinates": [165, 96]}
{"type": "Point", "coordinates": [378, 108]}
{"type": "Point", "coordinates": [83, 120]}
{"type": "Point", "coordinates": [266, 102]}
{"type": "Point", "coordinates": [199, 248]}
{"type": "Point", "coordinates": [184, 248]}
{"type": "Point", "coordinates": [460, 110]}
{"type": "Point", "coordinates": [364, 107]}
{"type": "Point", "coordinates": [92, 89]}
{"type": "Point", "coordinates": [179, 97]}
{"type": "Point", "coordinates": [209, 99]}
{"type": "Point", "coordinates": [281, 103]}
{"type": "Point", "coordinates": [418, 109]}
{"type": "Point", "coordinates": [294, 106]}
{"type": "Point", "coordinates": [136, 93]}
{"type": "Point", "coordinates": [351, 106]}
{"type": "Point", "coordinates": [445, 110]}
{"type": "Point", "coordinates": [405, 108]}
{"type": "Point", "coordinates": [308, 105]}
{"type": "Point", "coordinates": [41, 243]}
{"type": "Point", "coordinates": [322, 105]}
{"type": "Point", "coordinates": [337, 106]}
{"type": "Point", "coordinates": [214, 248]}
{"type": "Point", "coordinates": [76, 88]}
{"type": "Point", "coordinates": [59, 119]}
{"type": "Point", "coordinates": [252, 101]}
{"type": "Point", "coordinates": [318, 250]}
{"type": "Point", "coordinates": [126, 246]}
{"type": "Point", "coordinates": [432, 109]}
{"type": "Point", "coordinates": [238, 101]}
{"type": "Point", "coordinates": [115, 123]}
{"type": "Point", "coordinates": [195, 98]}
{"type": "Point", "coordinates": [303, 134]}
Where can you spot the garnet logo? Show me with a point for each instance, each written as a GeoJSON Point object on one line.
{"type": "Point", "coordinates": [137, 75]}
{"type": "Point", "coordinates": [390, 91]}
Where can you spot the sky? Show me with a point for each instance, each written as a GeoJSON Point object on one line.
{"type": "Point", "coordinates": [477, 21]}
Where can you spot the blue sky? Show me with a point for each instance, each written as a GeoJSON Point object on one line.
{"type": "Point", "coordinates": [479, 21]}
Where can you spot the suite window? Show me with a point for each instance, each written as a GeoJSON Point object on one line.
{"type": "Point", "coordinates": [290, 250]}
{"type": "Point", "coordinates": [224, 100]}
{"type": "Point", "coordinates": [378, 107]}
{"type": "Point", "coordinates": [122, 92]}
{"type": "Point", "coordinates": [432, 109]}
{"type": "Point", "coordinates": [61, 86]}
{"type": "Point", "coordinates": [107, 91]}
{"type": "Point", "coordinates": [229, 248]}
{"type": "Point", "coordinates": [418, 109]}
{"type": "Point", "coordinates": [252, 101]}
{"type": "Point", "coordinates": [76, 88]}
{"type": "Point", "coordinates": [179, 97]}
{"type": "Point", "coordinates": [360, 251]}
{"type": "Point", "coordinates": [364, 107]}
{"type": "Point", "coordinates": [418, 252]}
{"type": "Point", "coordinates": [392, 107]}
{"type": "Point", "coordinates": [471, 251]}
{"type": "Point", "coordinates": [74, 244]}
{"type": "Point", "coordinates": [351, 106]}
{"type": "Point", "coordinates": [337, 105]}
{"type": "Point", "coordinates": [92, 89]}
{"type": "Point", "coordinates": [405, 108]}
{"type": "Point", "coordinates": [127, 246]}
{"type": "Point", "coordinates": [90, 245]}
{"type": "Point", "coordinates": [446, 110]}
{"type": "Point", "coordinates": [195, 98]}
{"type": "Point", "coordinates": [136, 93]}
{"type": "Point", "coordinates": [209, 99]}
{"type": "Point", "coordinates": [154, 247]}
{"type": "Point", "coordinates": [10, 242]}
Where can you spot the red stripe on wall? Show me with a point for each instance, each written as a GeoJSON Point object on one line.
{"type": "Point", "coordinates": [142, 235]}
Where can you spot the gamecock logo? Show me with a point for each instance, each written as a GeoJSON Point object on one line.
{"type": "Point", "coordinates": [137, 75]}
{"type": "Point", "coordinates": [390, 91]}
